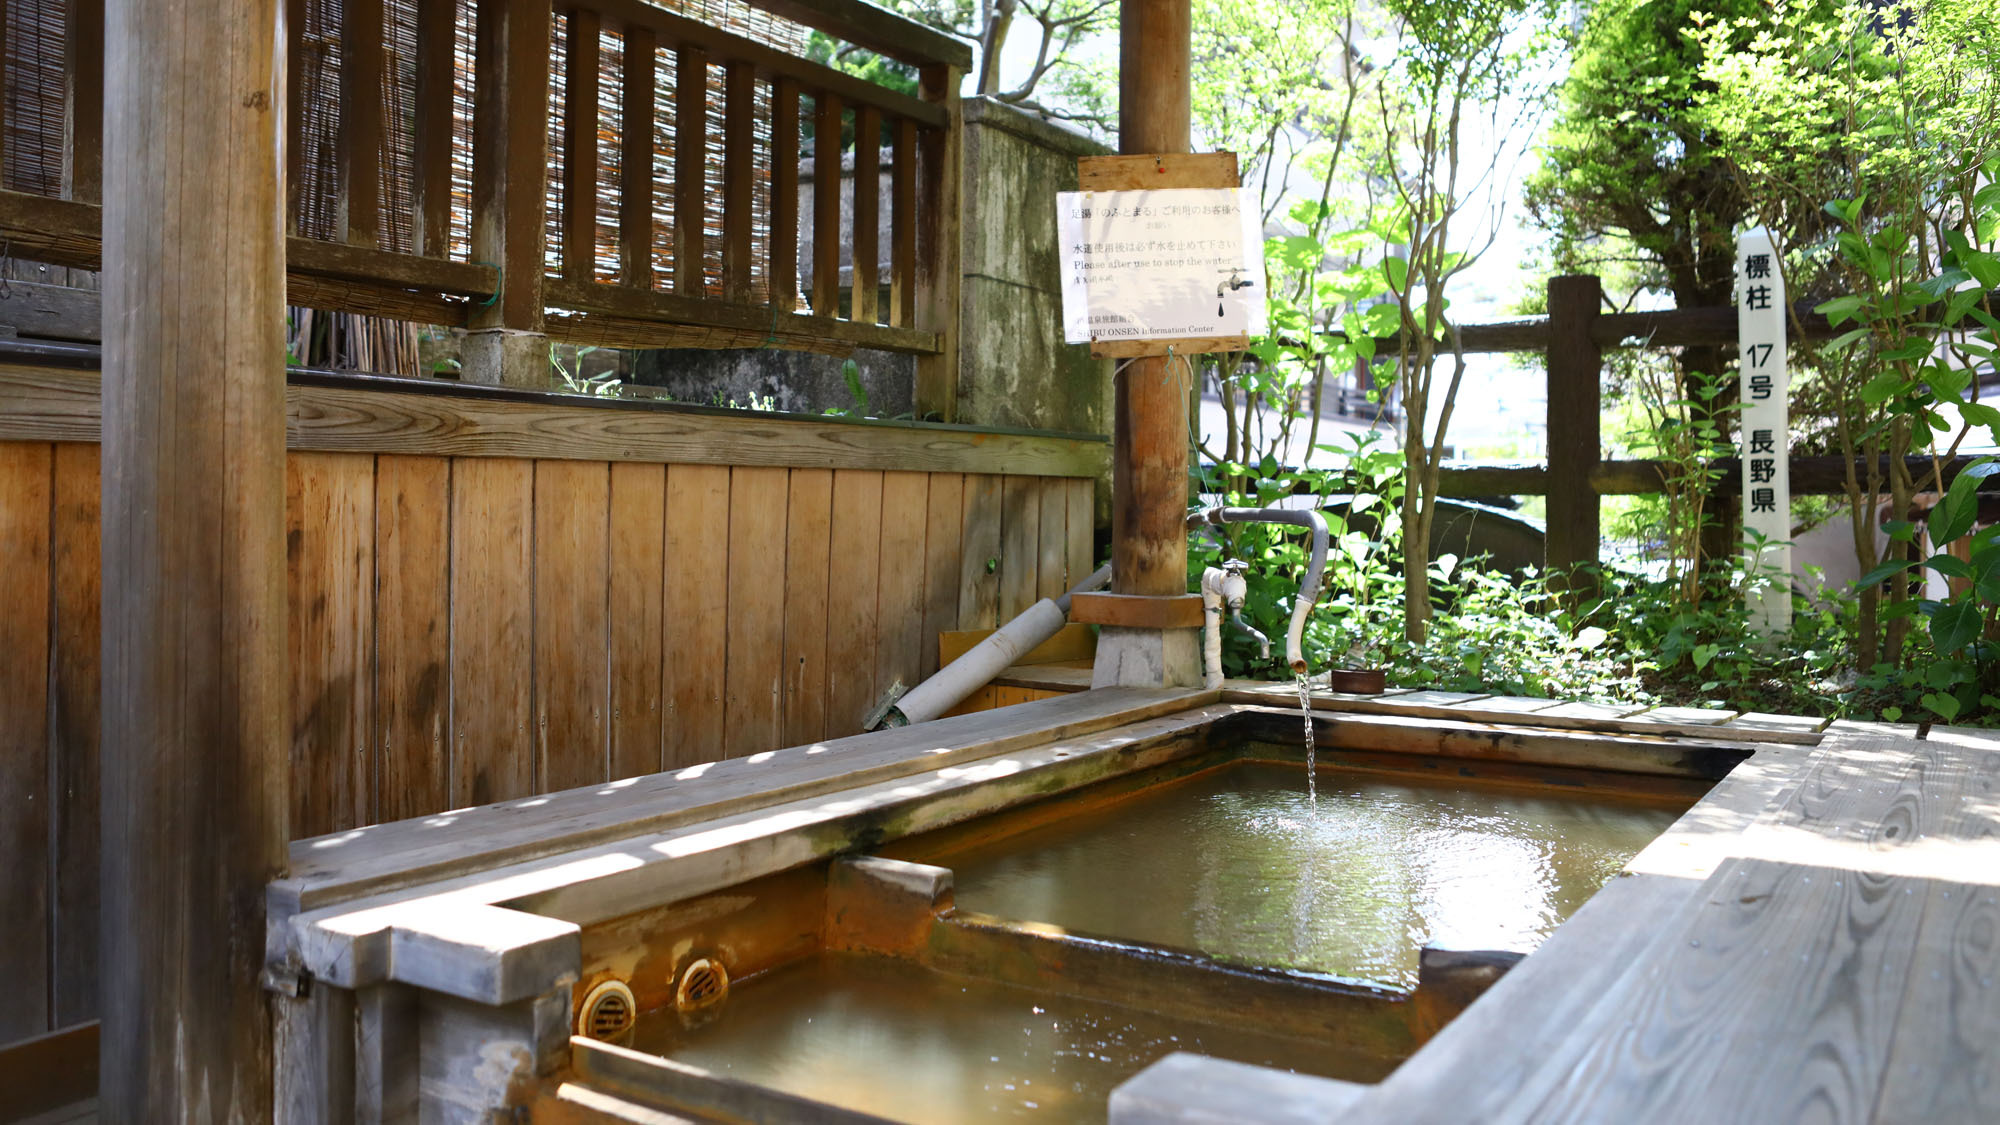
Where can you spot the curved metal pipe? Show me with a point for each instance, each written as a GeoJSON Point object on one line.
{"type": "Point", "coordinates": [1315, 563]}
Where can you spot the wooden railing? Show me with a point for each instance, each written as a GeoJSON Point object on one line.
{"type": "Point", "coordinates": [513, 219]}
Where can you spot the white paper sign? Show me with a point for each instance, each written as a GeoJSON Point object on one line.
{"type": "Point", "coordinates": [1160, 265]}
{"type": "Point", "coordinates": [1765, 421]}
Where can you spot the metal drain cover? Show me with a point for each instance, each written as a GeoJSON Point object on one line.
{"type": "Point", "coordinates": [608, 1011]}
{"type": "Point", "coordinates": [704, 984]}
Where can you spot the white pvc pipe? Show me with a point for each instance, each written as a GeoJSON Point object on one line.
{"type": "Point", "coordinates": [955, 681]}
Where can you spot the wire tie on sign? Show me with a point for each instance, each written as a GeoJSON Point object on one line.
{"type": "Point", "coordinates": [499, 283]}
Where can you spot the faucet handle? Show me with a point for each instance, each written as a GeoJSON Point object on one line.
{"type": "Point", "coordinates": [1236, 566]}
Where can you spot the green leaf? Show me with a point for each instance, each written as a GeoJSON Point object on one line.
{"type": "Point", "coordinates": [1883, 573]}
{"type": "Point", "coordinates": [1954, 625]}
{"type": "Point", "coordinates": [1949, 565]}
{"type": "Point", "coordinates": [1955, 516]}
{"type": "Point", "coordinates": [1882, 387]}
{"type": "Point", "coordinates": [1839, 310]}
{"type": "Point", "coordinates": [1941, 705]}
{"type": "Point", "coordinates": [1702, 654]}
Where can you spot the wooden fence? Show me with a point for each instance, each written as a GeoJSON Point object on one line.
{"type": "Point", "coordinates": [494, 595]}
{"type": "Point", "coordinates": [591, 131]}
{"type": "Point", "coordinates": [1574, 336]}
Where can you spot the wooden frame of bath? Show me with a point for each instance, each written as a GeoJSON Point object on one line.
{"type": "Point", "coordinates": [523, 907]}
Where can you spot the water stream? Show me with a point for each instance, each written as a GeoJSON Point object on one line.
{"type": "Point", "coordinates": [1312, 756]}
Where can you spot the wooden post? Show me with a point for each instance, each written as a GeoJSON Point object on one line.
{"type": "Point", "coordinates": [939, 244]}
{"type": "Point", "coordinates": [510, 156]}
{"type": "Point", "coordinates": [194, 682]}
{"type": "Point", "coordinates": [1150, 435]}
{"type": "Point", "coordinates": [1576, 365]}
{"type": "Point", "coordinates": [1145, 643]}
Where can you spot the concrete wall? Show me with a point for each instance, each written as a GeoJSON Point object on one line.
{"type": "Point", "coordinates": [1014, 369]}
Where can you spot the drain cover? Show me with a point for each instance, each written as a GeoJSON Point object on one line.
{"type": "Point", "coordinates": [704, 984]}
{"type": "Point", "coordinates": [608, 1011]}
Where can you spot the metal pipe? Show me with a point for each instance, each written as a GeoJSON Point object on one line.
{"type": "Point", "coordinates": [949, 685]}
{"type": "Point", "coordinates": [1315, 563]}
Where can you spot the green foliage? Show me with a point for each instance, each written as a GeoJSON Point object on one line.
{"type": "Point", "coordinates": [850, 373]}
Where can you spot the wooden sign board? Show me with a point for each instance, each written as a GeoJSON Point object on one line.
{"type": "Point", "coordinates": [1151, 173]}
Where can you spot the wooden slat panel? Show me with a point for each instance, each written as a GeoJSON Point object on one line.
{"type": "Point", "coordinates": [756, 544]}
{"type": "Point", "coordinates": [1052, 567]}
{"type": "Point", "coordinates": [826, 204]}
{"type": "Point", "coordinates": [867, 214]}
{"type": "Point", "coordinates": [1081, 553]}
{"type": "Point", "coordinates": [572, 643]}
{"type": "Point", "coordinates": [579, 197]}
{"type": "Point", "coordinates": [690, 166]}
{"type": "Point", "coordinates": [943, 531]}
{"type": "Point", "coordinates": [697, 611]}
{"type": "Point", "coordinates": [784, 276]}
{"type": "Point", "coordinates": [979, 560]}
{"type": "Point", "coordinates": [358, 155]}
{"type": "Point", "coordinates": [739, 181]}
{"type": "Point", "coordinates": [25, 473]}
{"type": "Point", "coordinates": [635, 159]}
{"type": "Point", "coordinates": [807, 542]}
{"type": "Point", "coordinates": [412, 636]}
{"type": "Point", "coordinates": [903, 222]}
{"type": "Point", "coordinates": [638, 583]}
{"type": "Point", "coordinates": [899, 606]}
{"type": "Point", "coordinates": [436, 92]}
{"type": "Point", "coordinates": [330, 556]}
{"type": "Point", "coordinates": [74, 732]}
{"type": "Point", "coordinates": [492, 600]}
{"type": "Point", "coordinates": [853, 575]}
{"type": "Point", "coordinates": [1020, 556]}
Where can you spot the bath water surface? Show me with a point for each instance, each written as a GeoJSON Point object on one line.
{"type": "Point", "coordinates": [899, 1041]}
{"type": "Point", "coordinates": [1247, 865]}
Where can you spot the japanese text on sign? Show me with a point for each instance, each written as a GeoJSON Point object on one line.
{"type": "Point", "coordinates": [1767, 487]}
{"type": "Point", "coordinates": [1160, 265]}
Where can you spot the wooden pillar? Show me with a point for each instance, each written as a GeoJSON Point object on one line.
{"type": "Point", "coordinates": [1150, 434]}
{"type": "Point", "coordinates": [510, 155]}
{"type": "Point", "coordinates": [1576, 366]}
{"type": "Point", "coordinates": [194, 709]}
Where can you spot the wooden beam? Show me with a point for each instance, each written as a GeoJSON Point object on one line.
{"type": "Point", "coordinates": [358, 153]}
{"type": "Point", "coordinates": [436, 91]}
{"type": "Point", "coordinates": [940, 172]}
{"type": "Point", "coordinates": [876, 29]}
{"type": "Point", "coordinates": [865, 299]}
{"type": "Point", "coordinates": [1575, 369]}
{"type": "Point", "coordinates": [739, 180]}
{"type": "Point", "coordinates": [510, 157]}
{"type": "Point", "coordinates": [770, 63]}
{"type": "Point", "coordinates": [579, 170]}
{"type": "Point", "coordinates": [690, 168]}
{"type": "Point", "coordinates": [373, 414]}
{"type": "Point", "coordinates": [904, 222]}
{"type": "Point", "coordinates": [83, 102]}
{"type": "Point", "coordinates": [826, 204]}
{"type": "Point", "coordinates": [194, 713]}
{"type": "Point", "coordinates": [635, 159]}
{"type": "Point", "coordinates": [702, 311]}
{"type": "Point", "coordinates": [784, 275]}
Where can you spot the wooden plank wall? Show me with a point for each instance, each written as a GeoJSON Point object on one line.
{"type": "Point", "coordinates": [474, 629]}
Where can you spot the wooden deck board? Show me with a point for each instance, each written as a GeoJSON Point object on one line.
{"type": "Point", "coordinates": [335, 868]}
{"type": "Point", "coordinates": [1829, 957]}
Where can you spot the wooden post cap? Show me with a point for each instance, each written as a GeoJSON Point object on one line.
{"type": "Point", "coordinates": [1137, 611]}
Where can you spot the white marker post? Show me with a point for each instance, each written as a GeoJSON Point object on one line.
{"type": "Point", "coordinates": [1766, 423]}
